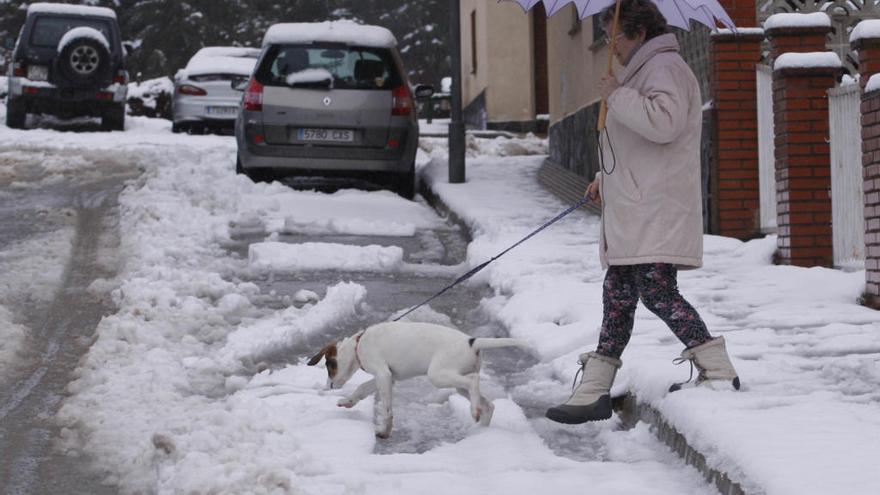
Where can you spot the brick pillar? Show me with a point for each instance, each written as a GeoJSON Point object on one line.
{"type": "Point", "coordinates": [735, 129]}
{"type": "Point", "coordinates": [803, 161]}
{"type": "Point", "coordinates": [869, 64]}
{"type": "Point", "coordinates": [735, 123]}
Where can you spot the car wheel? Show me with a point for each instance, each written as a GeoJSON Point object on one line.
{"type": "Point", "coordinates": [113, 119]}
{"type": "Point", "coordinates": [178, 128]}
{"type": "Point", "coordinates": [16, 114]}
{"type": "Point", "coordinates": [405, 185]}
{"type": "Point", "coordinates": [84, 61]}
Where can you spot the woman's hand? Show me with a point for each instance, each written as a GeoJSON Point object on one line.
{"type": "Point", "coordinates": [607, 85]}
{"type": "Point", "coordinates": [593, 192]}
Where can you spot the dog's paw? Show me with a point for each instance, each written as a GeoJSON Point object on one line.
{"type": "Point", "coordinates": [486, 416]}
{"type": "Point", "coordinates": [346, 402]}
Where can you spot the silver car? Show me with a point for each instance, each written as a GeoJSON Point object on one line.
{"type": "Point", "coordinates": [205, 97]}
{"type": "Point", "coordinates": [332, 100]}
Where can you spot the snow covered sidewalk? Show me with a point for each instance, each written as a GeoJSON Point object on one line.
{"type": "Point", "coordinates": [808, 417]}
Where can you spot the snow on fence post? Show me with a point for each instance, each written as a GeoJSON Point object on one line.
{"type": "Point", "coordinates": [866, 39]}
{"type": "Point", "coordinates": [734, 96]}
{"type": "Point", "coordinates": [803, 71]}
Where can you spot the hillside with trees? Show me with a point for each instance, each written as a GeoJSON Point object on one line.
{"type": "Point", "coordinates": [167, 32]}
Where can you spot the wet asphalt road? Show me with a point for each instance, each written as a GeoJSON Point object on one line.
{"type": "Point", "coordinates": [60, 328]}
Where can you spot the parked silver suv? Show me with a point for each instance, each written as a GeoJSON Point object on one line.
{"type": "Point", "coordinates": [330, 99]}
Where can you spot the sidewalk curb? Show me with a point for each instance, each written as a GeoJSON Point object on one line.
{"type": "Point", "coordinates": [628, 407]}
{"type": "Point", "coordinates": [631, 411]}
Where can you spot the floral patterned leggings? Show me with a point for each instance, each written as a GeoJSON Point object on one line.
{"type": "Point", "coordinates": [656, 285]}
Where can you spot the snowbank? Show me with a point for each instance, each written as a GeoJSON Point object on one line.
{"type": "Point", "coordinates": [280, 256]}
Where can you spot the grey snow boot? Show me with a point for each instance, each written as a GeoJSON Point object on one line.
{"type": "Point", "coordinates": [711, 361]}
{"type": "Point", "coordinates": [591, 400]}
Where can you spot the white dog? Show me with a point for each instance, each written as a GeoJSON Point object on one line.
{"type": "Point", "coordinates": [399, 350]}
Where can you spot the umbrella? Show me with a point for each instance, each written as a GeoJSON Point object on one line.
{"type": "Point", "coordinates": [678, 13]}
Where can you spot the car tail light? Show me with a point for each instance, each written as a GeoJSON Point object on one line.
{"type": "Point", "coordinates": [30, 90]}
{"type": "Point", "coordinates": [121, 77]}
{"type": "Point", "coordinates": [189, 89]}
{"type": "Point", "coordinates": [104, 95]}
{"type": "Point", "coordinates": [253, 96]}
{"type": "Point", "coordinates": [401, 101]}
{"type": "Point", "coordinates": [19, 70]}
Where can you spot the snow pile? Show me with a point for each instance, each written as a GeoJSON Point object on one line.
{"type": "Point", "coordinates": [806, 60]}
{"type": "Point", "coordinates": [867, 28]}
{"type": "Point", "coordinates": [344, 31]}
{"type": "Point", "coordinates": [279, 256]}
{"type": "Point", "coordinates": [82, 32]}
{"type": "Point", "coordinates": [379, 213]}
{"type": "Point", "coordinates": [796, 20]}
{"type": "Point", "coordinates": [251, 343]}
{"type": "Point", "coordinates": [150, 89]}
{"type": "Point", "coordinates": [309, 76]}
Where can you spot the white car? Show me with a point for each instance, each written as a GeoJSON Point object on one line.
{"type": "Point", "coordinates": [205, 94]}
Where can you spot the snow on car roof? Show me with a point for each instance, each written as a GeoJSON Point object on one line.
{"type": "Point", "coordinates": [200, 65]}
{"type": "Point", "coordinates": [228, 51]}
{"type": "Point", "coordinates": [347, 32]}
{"type": "Point", "coordinates": [63, 8]}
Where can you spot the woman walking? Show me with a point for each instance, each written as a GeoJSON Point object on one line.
{"type": "Point", "coordinates": [651, 198]}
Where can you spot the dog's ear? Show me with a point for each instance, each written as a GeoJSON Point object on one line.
{"type": "Point", "coordinates": [317, 357]}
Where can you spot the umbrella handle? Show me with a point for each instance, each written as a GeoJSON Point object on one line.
{"type": "Point", "coordinates": [603, 107]}
{"type": "Point", "coordinates": [603, 113]}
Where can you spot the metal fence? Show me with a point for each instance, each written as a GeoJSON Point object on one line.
{"type": "Point", "coordinates": [847, 194]}
{"type": "Point", "coordinates": [766, 147]}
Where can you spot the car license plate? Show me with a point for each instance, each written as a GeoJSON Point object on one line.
{"type": "Point", "coordinates": [38, 72]}
{"type": "Point", "coordinates": [326, 135]}
{"type": "Point", "coordinates": [222, 111]}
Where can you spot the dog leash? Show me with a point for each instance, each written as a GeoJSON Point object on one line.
{"type": "Point", "coordinates": [471, 273]}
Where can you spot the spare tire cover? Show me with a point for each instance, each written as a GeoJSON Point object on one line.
{"type": "Point", "coordinates": [84, 61]}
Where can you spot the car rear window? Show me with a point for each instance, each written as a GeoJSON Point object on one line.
{"type": "Point", "coordinates": [49, 30]}
{"type": "Point", "coordinates": [351, 67]}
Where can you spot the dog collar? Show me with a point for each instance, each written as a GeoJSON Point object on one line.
{"type": "Point", "coordinates": [357, 344]}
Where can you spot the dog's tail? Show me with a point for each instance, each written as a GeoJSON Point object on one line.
{"type": "Point", "coordinates": [479, 344]}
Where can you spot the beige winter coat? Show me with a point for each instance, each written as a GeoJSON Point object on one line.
{"type": "Point", "coordinates": [652, 199]}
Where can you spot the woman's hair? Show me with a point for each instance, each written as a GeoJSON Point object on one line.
{"type": "Point", "coordinates": [636, 15]}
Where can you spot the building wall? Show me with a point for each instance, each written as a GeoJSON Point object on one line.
{"type": "Point", "coordinates": [504, 59]}
{"type": "Point", "coordinates": [576, 63]}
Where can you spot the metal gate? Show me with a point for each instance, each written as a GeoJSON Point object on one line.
{"type": "Point", "coordinates": [847, 195]}
{"type": "Point", "coordinates": [766, 150]}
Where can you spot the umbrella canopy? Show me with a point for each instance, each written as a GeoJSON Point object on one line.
{"type": "Point", "coordinates": [678, 13]}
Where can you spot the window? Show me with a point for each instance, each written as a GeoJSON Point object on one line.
{"type": "Point", "coordinates": [343, 67]}
{"type": "Point", "coordinates": [474, 42]}
{"type": "Point", "coordinates": [49, 30]}
{"type": "Point", "coordinates": [598, 32]}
